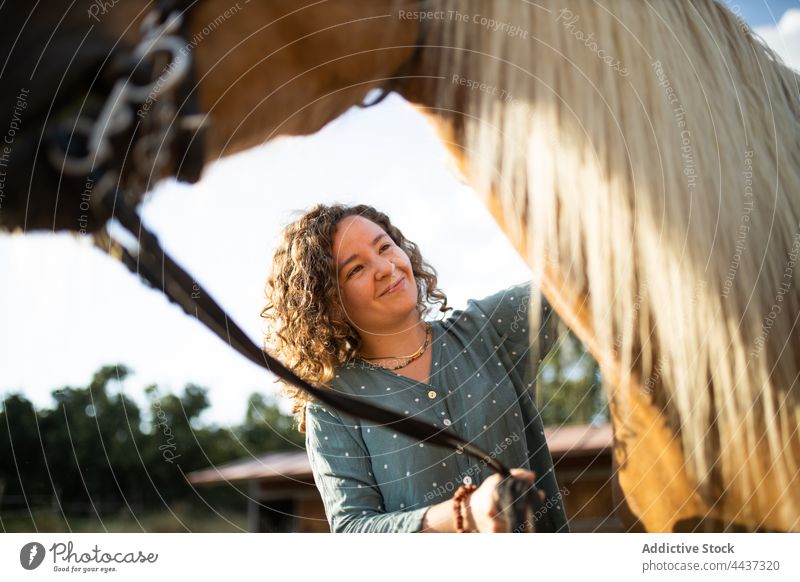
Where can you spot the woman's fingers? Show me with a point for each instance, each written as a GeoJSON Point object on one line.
{"type": "Point", "coordinates": [484, 503]}
{"type": "Point", "coordinates": [523, 473]}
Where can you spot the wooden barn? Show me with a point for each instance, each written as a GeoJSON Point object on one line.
{"type": "Point", "coordinates": [284, 498]}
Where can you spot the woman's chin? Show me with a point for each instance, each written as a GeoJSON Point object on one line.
{"type": "Point", "coordinates": [402, 306]}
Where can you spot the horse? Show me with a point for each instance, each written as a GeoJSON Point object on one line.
{"type": "Point", "coordinates": [643, 159]}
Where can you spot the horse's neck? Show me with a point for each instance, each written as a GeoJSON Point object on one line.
{"type": "Point", "coordinates": [288, 68]}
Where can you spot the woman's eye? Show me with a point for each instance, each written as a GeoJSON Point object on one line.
{"type": "Point", "coordinates": [382, 248]}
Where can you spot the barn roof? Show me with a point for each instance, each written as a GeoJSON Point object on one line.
{"type": "Point", "coordinates": [564, 442]}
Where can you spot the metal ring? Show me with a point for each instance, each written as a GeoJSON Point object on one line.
{"type": "Point", "coordinates": [153, 26]}
{"type": "Point", "coordinates": [74, 165]}
{"type": "Point", "coordinates": [175, 71]}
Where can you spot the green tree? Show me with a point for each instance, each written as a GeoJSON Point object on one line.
{"type": "Point", "coordinates": [266, 428]}
{"type": "Point", "coordinates": [22, 468]}
{"type": "Point", "coordinates": [570, 389]}
{"type": "Point", "coordinates": [94, 452]}
{"type": "Point", "coordinates": [90, 444]}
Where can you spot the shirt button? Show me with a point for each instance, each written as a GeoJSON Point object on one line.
{"type": "Point", "coordinates": [467, 480]}
{"type": "Point", "coordinates": [447, 422]}
{"type": "Point", "coordinates": [431, 394]}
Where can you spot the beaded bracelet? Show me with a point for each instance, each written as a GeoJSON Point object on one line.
{"type": "Point", "coordinates": [458, 500]}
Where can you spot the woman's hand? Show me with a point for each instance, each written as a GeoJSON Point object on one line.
{"type": "Point", "coordinates": [481, 508]}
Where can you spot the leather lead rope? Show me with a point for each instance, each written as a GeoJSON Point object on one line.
{"type": "Point", "coordinates": [149, 260]}
{"type": "Point", "coordinates": [157, 268]}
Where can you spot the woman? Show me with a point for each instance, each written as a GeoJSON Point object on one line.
{"type": "Point", "coordinates": [346, 301]}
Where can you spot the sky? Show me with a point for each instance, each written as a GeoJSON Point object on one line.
{"type": "Point", "coordinates": [761, 12]}
{"type": "Point", "coordinates": [66, 309]}
{"type": "Point", "coordinates": [72, 305]}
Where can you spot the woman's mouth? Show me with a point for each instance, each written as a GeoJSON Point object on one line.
{"type": "Point", "coordinates": [400, 283]}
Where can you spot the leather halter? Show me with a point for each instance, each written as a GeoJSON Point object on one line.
{"type": "Point", "coordinates": [152, 108]}
{"type": "Point", "coordinates": [142, 120]}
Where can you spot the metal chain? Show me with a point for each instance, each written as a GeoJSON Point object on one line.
{"type": "Point", "coordinates": [164, 49]}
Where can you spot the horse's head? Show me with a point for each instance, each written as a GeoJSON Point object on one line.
{"type": "Point", "coordinates": [258, 70]}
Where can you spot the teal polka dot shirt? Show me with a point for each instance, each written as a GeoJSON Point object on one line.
{"type": "Point", "coordinates": [374, 479]}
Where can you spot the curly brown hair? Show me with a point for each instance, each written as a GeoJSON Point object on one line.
{"type": "Point", "coordinates": [307, 328]}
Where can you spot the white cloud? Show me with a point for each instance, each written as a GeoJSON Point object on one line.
{"type": "Point", "coordinates": [784, 37]}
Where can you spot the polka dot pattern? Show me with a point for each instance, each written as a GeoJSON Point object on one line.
{"type": "Point", "coordinates": [482, 388]}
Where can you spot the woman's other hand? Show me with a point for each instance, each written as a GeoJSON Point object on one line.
{"type": "Point", "coordinates": [482, 512]}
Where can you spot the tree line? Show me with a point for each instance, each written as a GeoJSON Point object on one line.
{"type": "Point", "coordinates": [96, 452]}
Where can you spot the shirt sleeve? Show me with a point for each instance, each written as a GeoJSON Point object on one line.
{"type": "Point", "coordinates": [343, 474]}
{"type": "Point", "coordinates": [507, 312]}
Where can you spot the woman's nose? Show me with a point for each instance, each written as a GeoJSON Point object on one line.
{"type": "Point", "coordinates": [386, 267]}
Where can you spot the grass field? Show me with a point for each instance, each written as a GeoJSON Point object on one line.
{"type": "Point", "coordinates": [178, 518]}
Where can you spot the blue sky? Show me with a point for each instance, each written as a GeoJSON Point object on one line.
{"type": "Point", "coordinates": [67, 309]}
{"type": "Point", "coordinates": [761, 12]}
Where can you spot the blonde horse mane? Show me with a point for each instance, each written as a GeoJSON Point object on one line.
{"type": "Point", "coordinates": [650, 151]}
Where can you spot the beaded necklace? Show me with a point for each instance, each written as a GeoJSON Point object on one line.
{"type": "Point", "coordinates": [405, 360]}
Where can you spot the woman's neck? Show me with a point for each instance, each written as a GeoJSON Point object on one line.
{"type": "Point", "coordinates": [403, 340]}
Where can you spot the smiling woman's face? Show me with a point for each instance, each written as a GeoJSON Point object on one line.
{"type": "Point", "coordinates": [375, 278]}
